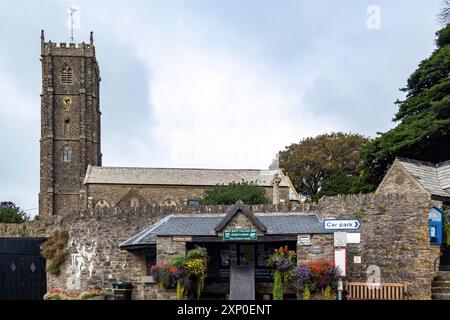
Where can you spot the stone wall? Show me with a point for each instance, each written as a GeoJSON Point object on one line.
{"type": "Point", "coordinates": [169, 247]}
{"type": "Point", "coordinates": [394, 237]}
{"type": "Point", "coordinates": [241, 221]}
{"type": "Point", "coordinates": [325, 241]}
{"type": "Point", "coordinates": [119, 195]}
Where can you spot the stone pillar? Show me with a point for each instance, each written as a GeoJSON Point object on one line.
{"type": "Point", "coordinates": [276, 189]}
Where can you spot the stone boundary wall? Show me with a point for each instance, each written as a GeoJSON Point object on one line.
{"type": "Point", "coordinates": [394, 237]}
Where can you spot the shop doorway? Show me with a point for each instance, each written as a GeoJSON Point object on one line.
{"type": "Point", "coordinates": [242, 272]}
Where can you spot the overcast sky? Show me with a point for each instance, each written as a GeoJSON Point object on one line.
{"type": "Point", "coordinates": [216, 84]}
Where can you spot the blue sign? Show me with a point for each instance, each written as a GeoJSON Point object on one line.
{"type": "Point", "coordinates": [435, 218]}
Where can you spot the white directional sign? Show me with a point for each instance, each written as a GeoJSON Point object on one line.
{"type": "Point", "coordinates": [340, 239]}
{"type": "Point", "coordinates": [341, 224]}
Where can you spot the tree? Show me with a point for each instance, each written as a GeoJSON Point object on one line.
{"type": "Point", "coordinates": [248, 192]}
{"type": "Point", "coordinates": [10, 213]}
{"type": "Point", "coordinates": [444, 15]}
{"type": "Point", "coordinates": [339, 183]}
{"type": "Point", "coordinates": [313, 161]}
{"type": "Point", "coordinates": [423, 130]}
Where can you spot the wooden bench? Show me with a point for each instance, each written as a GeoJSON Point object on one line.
{"type": "Point", "coordinates": [383, 291]}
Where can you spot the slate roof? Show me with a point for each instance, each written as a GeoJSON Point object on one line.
{"type": "Point", "coordinates": [443, 169]}
{"type": "Point", "coordinates": [203, 225]}
{"type": "Point", "coordinates": [180, 176]}
{"type": "Point", "coordinates": [435, 178]}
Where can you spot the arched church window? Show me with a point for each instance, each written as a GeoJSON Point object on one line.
{"type": "Point", "coordinates": [168, 203]}
{"type": "Point", "coordinates": [134, 203]}
{"type": "Point", "coordinates": [67, 154]}
{"type": "Point", "coordinates": [67, 74]}
{"type": "Point", "coordinates": [102, 204]}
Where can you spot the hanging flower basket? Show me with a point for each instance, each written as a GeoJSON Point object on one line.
{"type": "Point", "coordinates": [282, 261]}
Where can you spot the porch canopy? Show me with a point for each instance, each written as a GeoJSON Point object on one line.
{"type": "Point", "coordinates": [272, 226]}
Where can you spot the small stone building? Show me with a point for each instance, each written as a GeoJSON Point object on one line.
{"type": "Point", "coordinates": [238, 244]}
{"type": "Point", "coordinates": [408, 175]}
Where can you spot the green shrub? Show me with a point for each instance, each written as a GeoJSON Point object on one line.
{"type": "Point", "coordinates": [327, 294]}
{"type": "Point", "coordinates": [10, 213]}
{"type": "Point", "coordinates": [55, 252]}
{"type": "Point", "coordinates": [248, 192]}
{"type": "Point", "coordinates": [277, 285]}
{"type": "Point", "coordinates": [307, 294]}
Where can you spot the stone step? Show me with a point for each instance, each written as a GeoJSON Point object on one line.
{"type": "Point", "coordinates": [441, 283]}
{"type": "Point", "coordinates": [440, 296]}
{"type": "Point", "coordinates": [444, 275]}
{"type": "Point", "coordinates": [440, 290]}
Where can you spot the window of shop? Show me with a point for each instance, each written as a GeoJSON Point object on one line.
{"type": "Point", "coordinates": [150, 258]}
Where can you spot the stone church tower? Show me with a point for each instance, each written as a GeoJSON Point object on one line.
{"type": "Point", "coordinates": [70, 124]}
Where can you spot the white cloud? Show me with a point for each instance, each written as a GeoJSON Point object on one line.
{"type": "Point", "coordinates": [17, 105]}
{"type": "Point", "coordinates": [19, 131]}
{"type": "Point", "coordinates": [214, 106]}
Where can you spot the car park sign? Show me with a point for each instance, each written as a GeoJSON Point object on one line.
{"type": "Point", "coordinates": [341, 224]}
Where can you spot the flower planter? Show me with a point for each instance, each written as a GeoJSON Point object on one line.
{"type": "Point", "coordinates": [166, 294]}
{"type": "Point", "coordinates": [149, 279]}
{"type": "Point", "coordinates": [97, 298]}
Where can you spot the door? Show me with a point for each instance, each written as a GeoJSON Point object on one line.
{"type": "Point", "coordinates": [22, 269]}
{"type": "Point", "coordinates": [242, 273]}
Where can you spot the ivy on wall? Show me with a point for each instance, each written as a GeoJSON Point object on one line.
{"type": "Point", "coordinates": [55, 252]}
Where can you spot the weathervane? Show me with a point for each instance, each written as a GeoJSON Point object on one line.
{"type": "Point", "coordinates": [72, 9]}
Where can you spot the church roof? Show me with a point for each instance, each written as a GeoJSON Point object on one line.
{"type": "Point", "coordinates": [180, 176]}
{"type": "Point", "coordinates": [434, 178]}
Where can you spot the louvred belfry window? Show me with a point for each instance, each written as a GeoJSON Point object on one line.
{"type": "Point", "coordinates": [67, 74]}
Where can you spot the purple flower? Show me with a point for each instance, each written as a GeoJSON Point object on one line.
{"type": "Point", "coordinates": [302, 276]}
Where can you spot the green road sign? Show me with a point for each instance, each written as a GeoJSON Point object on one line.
{"type": "Point", "coordinates": [240, 234]}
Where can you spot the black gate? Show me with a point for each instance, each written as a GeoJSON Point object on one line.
{"type": "Point", "coordinates": [22, 269]}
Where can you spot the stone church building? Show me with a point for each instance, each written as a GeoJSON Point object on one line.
{"type": "Point", "coordinates": [72, 176]}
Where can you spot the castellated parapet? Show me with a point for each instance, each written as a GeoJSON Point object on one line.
{"type": "Point", "coordinates": [61, 49]}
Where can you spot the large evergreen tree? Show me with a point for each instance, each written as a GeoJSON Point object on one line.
{"type": "Point", "coordinates": [444, 15]}
{"type": "Point", "coordinates": [423, 130]}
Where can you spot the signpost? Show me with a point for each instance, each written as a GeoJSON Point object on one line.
{"type": "Point", "coordinates": [340, 261]}
{"type": "Point", "coordinates": [342, 224]}
{"type": "Point", "coordinates": [240, 234]}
